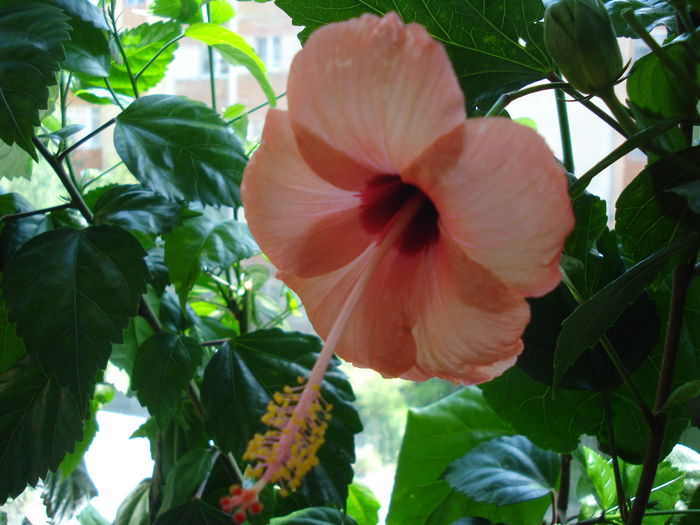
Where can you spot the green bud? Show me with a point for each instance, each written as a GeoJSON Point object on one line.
{"type": "Point", "coordinates": [580, 38]}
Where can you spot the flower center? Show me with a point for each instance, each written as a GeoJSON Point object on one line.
{"type": "Point", "coordinates": [384, 197]}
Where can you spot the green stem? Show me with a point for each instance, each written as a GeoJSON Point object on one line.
{"type": "Point", "coordinates": [210, 57]}
{"type": "Point", "coordinates": [76, 199]}
{"type": "Point", "coordinates": [564, 131]}
{"type": "Point", "coordinates": [105, 172]}
{"type": "Point", "coordinates": [114, 94]}
{"type": "Point", "coordinates": [590, 106]}
{"type": "Point", "coordinates": [87, 137]}
{"type": "Point", "coordinates": [619, 489]}
{"type": "Point", "coordinates": [682, 277]}
{"type": "Point", "coordinates": [620, 112]}
{"type": "Point", "coordinates": [564, 485]}
{"type": "Point", "coordinates": [680, 74]}
{"type": "Point", "coordinates": [157, 54]}
{"type": "Point", "coordinates": [14, 216]}
{"type": "Point", "coordinates": [122, 52]}
{"type": "Point", "coordinates": [256, 108]}
{"type": "Point", "coordinates": [507, 98]}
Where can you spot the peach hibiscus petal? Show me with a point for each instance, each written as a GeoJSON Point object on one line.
{"type": "Point", "coordinates": [303, 224]}
{"type": "Point", "coordinates": [502, 197]}
{"type": "Point", "coordinates": [370, 94]}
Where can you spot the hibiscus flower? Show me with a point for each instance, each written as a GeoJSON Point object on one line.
{"type": "Point", "coordinates": [411, 235]}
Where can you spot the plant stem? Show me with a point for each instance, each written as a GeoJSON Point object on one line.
{"type": "Point", "coordinates": [555, 516]}
{"type": "Point", "coordinates": [620, 112]}
{"type": "Point", "coordinates": [210, 57]}
{"type": "Point", "coordinates": [619, 489]}
{"type": "Point", "coordinates": [157, 54]}
{"type": "Point", "coordinates": [87, 137]}
{"type": "Point", "coordinates": [105, 172]}
{"type": "Point", "coordinates": [122, 52]}
{"type": "Point", "coordinates": [76, 199]}
{"type": "Point", "coordinates": [564, 485]}
{"type": "Point", "coordinates": [507, 98]}
{"type": "Point", "coordinates": [564, 131]}
{"type": "Point", "coordinates": [256, 108]}
{"type": "Point", "coordinates": [215, 342]}
{"type": "Point", "coordinates": [682, 277]}
{"type": "Point", "coordinates": [114, 94]}
{"type": "Point", "coordinates": [681, 75]}
{"type": "Point", "coordinates": [22, 215]}
{"type": "Point", "coordinates": [203, 484]}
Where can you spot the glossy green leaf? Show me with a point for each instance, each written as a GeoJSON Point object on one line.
{"type": "Point", "coordinates": [235, 50]}
{"type": "Point", "coordinates": [134, 509]}
{"type": "Point", "coordinates": [205, 243]}
{"type": "Point", "coordinates": [14, 233]}
{"type": "Point", "coordinates": [14, 162]}
{"type": "Point", "coordinates": [362, 504]}
{"type": "Point", "coordinates": [194, 512]}
{"type": "Point", "coordinates": [652, 87]}
{"type": "Point", "coordinates": [239, 382]}
{"type": "Point", "coordinates": [452, 426]}
{"type": "Point", "coordinates": [30, 51]}
{"type": "Point", "coordinates": [691, 192]}
{"type": "Point", "coordinates": [185, 11]}
{"type": "Point", "coordinates": [188, 473]}
{"type": "Point", "coordinates": [495, 47]}
{"type": "Point", "coordinates": [64, 497]}
{"type": "Point", "coordinates": [87, 51]}
{"type": "Point", "coordinates": [180, 148]}
{"type": "Point", "coordinates": [315, 516]}
{"type": "Point", "coordinates": [650, 13]}
{"type": "Point", "coordinates": [83, 10]}
{"type": "Point", "coordinates": [504, 471]}
{"type": "Point", "coordinates": [648, 216]}
{"type": "Point", "coordinates": [163, 367]}
{"type": "Point", "coordinates": [71, 293]}
{"type": "Point", "coordinates": [597, 477]}
{"type": "Point", "coordinates": [140, 46]}
{"type": "Point", "coordinates": [11, 346]}
{"type": "Point", "coordinates": [583, 328]}
{"type": "Point", "coordinates": [39, 422]}
{"type": "Point", "coordinates": [135, 208]}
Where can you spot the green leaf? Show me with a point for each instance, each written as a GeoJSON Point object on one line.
{"type": "Point", "coordinates": [221, 11]}
{"type": "Point", "coordinates": [134, 509]}
{"type": "Point", "coordinates": [87, 51]}
{"type": "Point", "coordinates": [315, 516]}
{"type": "Point", "coordinates": [140, 46]}
{"type": "Point", "coordinates": [495, 47]}
{"type": "Point", "coordinates": [180, 148]}
{"type": "Point", "coordinates": [90, 516]}
{"type": "Point", "coordinates": [185, 11]}
{"type": "Point", "coordinates": [14, 162]}
{"type": "Point", "coordinates": [30, 51]}
{"type": "Point", "coordinates": [650, 13]}
{"type": "Point", "coordinates": [362, 504]}
{"type": "Point", "coordinates": [588, 323]}
{"type": "Point", "coordinates": [652, 87]}
{"type": "Point", "coordinates": [135, 208]}
{"type": "Point", "coordinates": [205, 243]}
{"type": "Point", "coordinates": [597, 477]}
{"type": "Point", "coordinates": [135, 334]}
{"type": "Point", "coordinates": [16, 232]}
{"type": "Point", "coordinates": [648, 217]}
{"type": "Point", "coordinates": [164, 365]}
{"type": "Point", "coordinates": [182, 481]}
{"type": "Point", "coordinates": [239, 382]}
{"type": "Point", "coordinates": [551, 418]}
{"type": "Point", "coordinates": [504, 471]}
{"type": "Point", "coordinates": [71, 293]}
{"type": "Point", "coordinates": [194, 512]}
{"type": "Point", "coordinates": [691, 192]}
{"type": "Point", "coordinates": [452, 427]}
{"type": "Point", "coordinates": [83, 10]}
{"type": "Point", "coordinates": [64, 497]}
{"type": "Point", "coordinates": [235, 50]}
{"type": "Point", "coordinates": [39, 422]}
{"type": "Point", "coordinates": [11, 346]}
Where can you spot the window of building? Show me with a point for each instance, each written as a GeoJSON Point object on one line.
{"type": "Point", "coordinates": [269, 49]}
{"type": "Point", "coordinates": [221, 66]}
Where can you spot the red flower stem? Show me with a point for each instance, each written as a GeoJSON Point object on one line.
{"type": "Point", "coordinates": [682, 277]}
{"type": "Point", "coordinates": [393, 232]}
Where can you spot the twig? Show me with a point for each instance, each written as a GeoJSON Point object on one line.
{"type": "Point", "coordinates": [87, 137]}
{"type": "Point", "coordinates": [22, 215]}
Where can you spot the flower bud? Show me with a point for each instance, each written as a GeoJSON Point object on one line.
{"type": "Point", "coordinates": [580, 38]}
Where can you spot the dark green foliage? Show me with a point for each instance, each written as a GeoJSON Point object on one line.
{"type": "Point", "coordinates": [65, 496]}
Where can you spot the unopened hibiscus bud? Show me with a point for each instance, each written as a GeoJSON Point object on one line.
{"type": "Point", "coordinates": [580, 38]}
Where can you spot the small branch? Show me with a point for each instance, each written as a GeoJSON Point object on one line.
{"type": "Point", "coordinates": [105, 172]}
{"type": "Point", "coordinates": [14, 216]}
{"type": "Point", "coordinates": [256, 108]}
{"type": "Point", "coordinates": [564, 485]}
{"type": "Point", "coordinates": [76, 199]}
{"type": "Point", "coordinates": [125, 58]}
{"type": "Point", "coordinates": [555, 517]}
{"type": "Point", "coordinates": [507, 98]}
{"type": "Point", "coordinates": [87, 137]}
{"type": "Point", "coordinates": [215, 342]}
{"type": "Point", "coordinates": [619, 489]}
{"type": "Point", "coordinates": [564, 131]}
{"type": "Point", "coordinates": [203, 484]}
{"type": "Point", "coordinates": [682, 277]}
{"type": "Point", "coordinates": [114, 94]}
{"type": "Point", "coordinates": [158, 53]}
